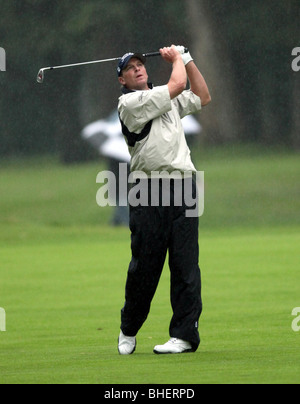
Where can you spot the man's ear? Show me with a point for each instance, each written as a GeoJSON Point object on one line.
{"type": "Point", "coordinates": [122, 81]}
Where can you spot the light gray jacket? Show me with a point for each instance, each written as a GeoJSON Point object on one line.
{"type": "Point", "coordinates": [151, 123]}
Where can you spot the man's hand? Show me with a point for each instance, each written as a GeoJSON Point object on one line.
{"type": "Point", "coordinates": [170, 54]}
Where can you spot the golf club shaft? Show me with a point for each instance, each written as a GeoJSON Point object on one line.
{"type": "Point", "coordinates": [80, 64]}
{"type": "Point", "coordinates": [40, 76]}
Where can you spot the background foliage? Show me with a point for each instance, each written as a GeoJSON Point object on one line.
{"type": "Point", "coordinates": [243, 49]}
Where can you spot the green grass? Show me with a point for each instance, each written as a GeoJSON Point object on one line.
{"type": "Point", "coordinates": [63, 271]}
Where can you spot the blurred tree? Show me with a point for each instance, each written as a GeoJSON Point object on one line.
{"type": "Point", "coordinates": [244, 50]}
{"type": "Point", "coordinates": [260, 37]}
{"type": "Point", "coordinates": [221, 120]}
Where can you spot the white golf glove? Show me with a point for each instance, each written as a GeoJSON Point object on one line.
{"type": "Point", "coordinates": [186, 57]}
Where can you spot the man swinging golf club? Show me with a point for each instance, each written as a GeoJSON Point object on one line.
{"type": "Point", "coordinates": [151, 123]}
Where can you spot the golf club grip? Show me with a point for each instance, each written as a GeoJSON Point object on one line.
{"type": "Point", "coordinates": [147, 55]}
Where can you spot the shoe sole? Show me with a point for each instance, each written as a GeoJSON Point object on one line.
{"type": "Point", "coordinates": [173, 353]}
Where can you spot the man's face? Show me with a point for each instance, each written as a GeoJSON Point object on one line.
{"type": "Point", "coordinates": [134, 76]}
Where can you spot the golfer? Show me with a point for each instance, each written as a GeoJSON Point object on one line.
{"type": "Point", "coordinates": [151, 123]}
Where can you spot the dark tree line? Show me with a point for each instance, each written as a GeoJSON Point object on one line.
{"type": "Point", "coordinates": [243, 48]}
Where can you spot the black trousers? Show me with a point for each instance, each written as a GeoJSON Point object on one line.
{"type": "Point", "coordinates": [156, 230]}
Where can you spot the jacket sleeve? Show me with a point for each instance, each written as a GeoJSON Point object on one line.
{"type": "Point", "coordinates": [187, 103]}
{"type": "Point", "coordinates": [138, 108]}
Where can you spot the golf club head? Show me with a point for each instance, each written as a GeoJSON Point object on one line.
{"type": "Point", "coordinates": [40, 76]}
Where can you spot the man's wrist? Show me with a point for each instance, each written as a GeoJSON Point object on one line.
{"type": "Point", "coordinates": [187, 58]}
{"type": "Point", "coordinates": [177, 59]}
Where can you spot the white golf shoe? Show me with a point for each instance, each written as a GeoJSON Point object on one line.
{"type": "Point", "coordinates": [173, 346]}
{"type": "Point", "coordinates": [126, 345]}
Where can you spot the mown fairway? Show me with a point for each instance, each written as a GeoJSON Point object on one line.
{"type": "Point", "coordinates": [63, 271]}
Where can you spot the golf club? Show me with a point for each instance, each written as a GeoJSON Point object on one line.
{"type": "Point", "coordinates": [41, 74]}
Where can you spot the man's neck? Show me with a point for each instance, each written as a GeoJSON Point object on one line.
{"type": "Point", "coordinates": [126, 90]}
